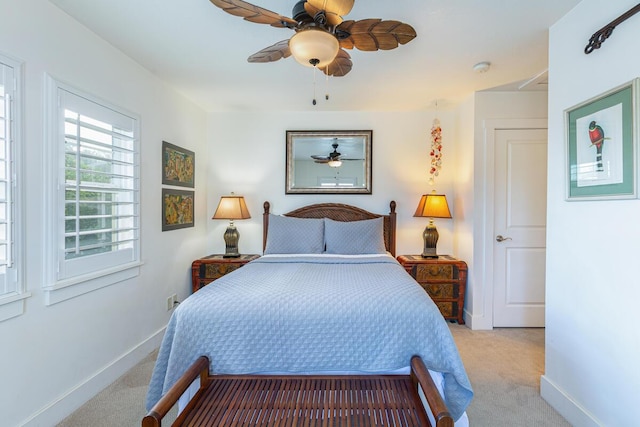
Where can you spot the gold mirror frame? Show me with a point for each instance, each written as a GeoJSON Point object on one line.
{"type": "Point", "coordinates": [313, 175]}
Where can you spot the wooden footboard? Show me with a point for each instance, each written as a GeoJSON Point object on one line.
{"type": "Point", "coordinates": [240, 400]}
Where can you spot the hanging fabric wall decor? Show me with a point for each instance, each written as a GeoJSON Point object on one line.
{"type": "Point", "coordinates": [436, 151]}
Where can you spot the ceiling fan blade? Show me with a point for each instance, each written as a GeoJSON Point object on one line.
{"type": "Point", "coordinates": [321, 160]}
{"type": "Point", "coordinates": [319, 157]}
{"type": "Point", "coordinates": [254, 13]}
{"type": "Point", "coordinates": [376, 34]}
{"type": "Point", "coordinates": [334, 7]}
{"type": "Point", "coordinates": [272, 53]}
{"type": "Point", "coordinates": [340, 66]}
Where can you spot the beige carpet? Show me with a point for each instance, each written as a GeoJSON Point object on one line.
{"type": "Point", "coordinates": [504, 366]}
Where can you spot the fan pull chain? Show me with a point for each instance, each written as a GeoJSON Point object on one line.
{"type": "Point", "coordinates": [326, 96]}
{"type": "Point", "coordinates": [314, 86]}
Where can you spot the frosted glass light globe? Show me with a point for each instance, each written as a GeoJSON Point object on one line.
{"type": "Point", "coordinates": [314, 47]}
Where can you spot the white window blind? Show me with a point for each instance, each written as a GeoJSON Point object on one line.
{"type": "Point", "coordinates": [98, 195]}
{"type": "Point", "coordinates": [12, 289]}
{"type": "Point", "coordinates": [7, 183]}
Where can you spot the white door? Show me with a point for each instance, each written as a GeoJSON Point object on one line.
{"type": "Point", "coordinates": [519, 227]}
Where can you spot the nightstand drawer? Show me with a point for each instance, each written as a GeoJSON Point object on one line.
{"type": "Point", "coordinates": [441, 290]}
{"type": "Point", "coordinates": [425, 272]}
{"type": "Point", "coordinates": [206, 270]}
{"type": "Point", "coordinates": [215, 271]}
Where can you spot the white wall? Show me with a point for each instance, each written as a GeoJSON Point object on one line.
{"type": "Point", "coordinates": [474, 192]}
{"type": "Point", "coordinates": [249, 159]}
{"type": "Point", "coordinates": [55, 357]}
{"type": "Point", "coordinates": [592, 338]}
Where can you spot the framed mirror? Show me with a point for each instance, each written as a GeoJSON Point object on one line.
{"type": "Point", "coordinates": [328, 162]}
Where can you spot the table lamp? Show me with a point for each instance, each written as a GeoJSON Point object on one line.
{"type": "Point", "coordinates": [231, 207]}
{"type": "Point", "coordinates": [432, 206]}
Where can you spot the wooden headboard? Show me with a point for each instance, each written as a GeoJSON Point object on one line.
{"type": "Point", "coordinates": [339, 212]}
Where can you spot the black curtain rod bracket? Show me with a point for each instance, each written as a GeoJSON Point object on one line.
{"type": "Point", "coordinates": [601, 35]}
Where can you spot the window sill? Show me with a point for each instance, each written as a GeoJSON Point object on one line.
{"type": "Point", "coordinates": [12, 305]}
{"type": "Point", "coordinates": [76, 286]}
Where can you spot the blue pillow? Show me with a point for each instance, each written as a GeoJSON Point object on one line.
{"type": "Point", "coordinates": [354, 237]}
{"type": "Point", "coordinates": [290, 235]}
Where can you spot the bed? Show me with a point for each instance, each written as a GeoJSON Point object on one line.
{"type": "Point", "coordinates": [326, 300]}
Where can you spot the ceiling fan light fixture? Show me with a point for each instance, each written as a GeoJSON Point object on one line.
{"type": "Point", "coordinates": [314, 47]}
{"type": "Point", "coordinates": [334, 163]}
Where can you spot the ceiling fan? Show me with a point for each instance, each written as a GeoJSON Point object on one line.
{"type": "Point", "coordinates": [321, 34]}
{"type": "Point", "coordinates": [334, 159]}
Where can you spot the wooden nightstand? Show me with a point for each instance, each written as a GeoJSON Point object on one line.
{"type": "Point", "coordinates": [445, 280]}
{"type": "Point", "coordinates": [206, 270]}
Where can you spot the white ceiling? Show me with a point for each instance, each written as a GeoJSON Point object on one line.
{"type": "Point", "coordinates": [202, 52]}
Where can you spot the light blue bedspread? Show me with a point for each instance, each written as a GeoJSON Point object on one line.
{"type": "Point", "coordinates": [308, 314]}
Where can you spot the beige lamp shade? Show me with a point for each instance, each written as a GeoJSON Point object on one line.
{"type": "Point", "coordinates": [432, 206]}
{"type": "Point", "coordinates": [231, 207]}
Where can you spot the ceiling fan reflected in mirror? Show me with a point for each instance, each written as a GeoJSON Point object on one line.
{"type": "Point", "coordinates": [321, 35]}
{"type": "Point", "coordinates": [334, 159]}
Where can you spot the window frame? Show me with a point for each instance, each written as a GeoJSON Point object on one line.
{"type": "Point", "coordinates": [60, 282]}
{"type": "Point", "coordinates": [12, 299]}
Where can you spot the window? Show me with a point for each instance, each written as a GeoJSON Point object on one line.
{"type": "Point", "coordinates": [95, 239]}
{"type": "Point", "coordinates": [12, 292]}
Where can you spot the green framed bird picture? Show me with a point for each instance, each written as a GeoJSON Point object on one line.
{"type": "Point", "coordinates": [602, 145]}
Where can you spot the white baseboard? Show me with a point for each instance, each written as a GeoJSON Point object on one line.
{"type": "Point", "coordinates": [477, 322]}
{"type": "Point", "coordinates": [575, 414]}
{"type": "Point", "coordinates": [62, 407]}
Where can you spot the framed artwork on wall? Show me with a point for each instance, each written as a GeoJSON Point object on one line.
{"type": "Point", "coordinates": [178, 165]}
{"type": "Point", "coordinates": [177, 209]}
{"type": "Point", "coordinates": [601, 146]}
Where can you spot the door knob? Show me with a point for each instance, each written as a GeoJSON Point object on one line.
{"type": "Point", "coordinates": [499, 238]}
